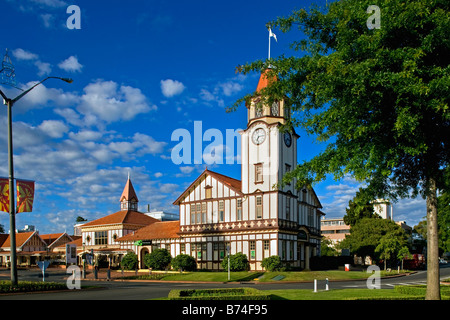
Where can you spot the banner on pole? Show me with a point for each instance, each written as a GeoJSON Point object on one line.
{"type": "Point", "coordinates": [25, 195]}
{"type": "Point", "coordinates": [4, 195]}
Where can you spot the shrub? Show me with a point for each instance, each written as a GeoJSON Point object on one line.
{"type": "Point", "coordinates": [184, 262]}
{"type": "Point", "coordinates": [238, 262]}
{"type": "Point", "coordinates": [272, 263]}
{"type": "Point", "coordinates": [129, 261]}
{"type": "Point", "coordinates": [219, 294]}
{"type": "Point", "coordinates": [159, 259]}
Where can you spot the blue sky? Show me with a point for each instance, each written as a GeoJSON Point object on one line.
{"type": "Point", "coordinates": [141, 69]}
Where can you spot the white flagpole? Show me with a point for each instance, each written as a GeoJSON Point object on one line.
{"type": "Point", "coordinates": [269, 44]}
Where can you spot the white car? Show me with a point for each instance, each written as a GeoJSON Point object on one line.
{"type": "Point", "coordinates": [442, 261]}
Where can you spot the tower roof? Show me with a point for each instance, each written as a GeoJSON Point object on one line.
{"type": "Point", "coordinates": [128, 193]}
{"type": "Point", "coordinates": [265, 80]}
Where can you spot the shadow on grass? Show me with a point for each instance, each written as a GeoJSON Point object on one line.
{"type": "Point", "coordinates": [250, 277]}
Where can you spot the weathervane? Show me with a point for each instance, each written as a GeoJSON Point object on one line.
{"type": "Point", "coordinates": [7, 73]}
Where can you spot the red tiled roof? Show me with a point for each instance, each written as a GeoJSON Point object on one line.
{"type": "Point", "coordinates": [21, 238]}
{"type": "Point", "coordinates": [51, 237]}
{"type": "Point", "coordinates": [234, 184]}
{"type": "Point", "coordinates": [158, 230]}
{"type": "Point", "coordinates": [123, 217]}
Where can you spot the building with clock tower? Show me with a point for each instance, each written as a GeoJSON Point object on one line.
{"type": "Point", "coordinates": [253, 215]}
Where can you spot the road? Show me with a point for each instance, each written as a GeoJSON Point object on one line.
{"type": "Point", "coordinates": [135, 290]}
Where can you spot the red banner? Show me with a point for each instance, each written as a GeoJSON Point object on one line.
{"type": "Point", "coordinates": [4, 195]}
{"type": "Point", "coordinates": [25, 195]}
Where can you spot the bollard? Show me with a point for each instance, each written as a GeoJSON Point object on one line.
{"type": "Point", "coordinates": [315, 285]}
{"type": "Point", "coordinates": [95, 274]}
{"type": "Point", "coordinates": [108, 274]}
{"type": "Point", "coordinates": [326, 285]}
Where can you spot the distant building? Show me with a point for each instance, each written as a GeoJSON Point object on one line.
{"type": "Point", "coordinates": [334, 229]}
{"type": "Point", "coordinates": [163, 216]}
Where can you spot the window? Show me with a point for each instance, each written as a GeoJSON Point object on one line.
{"type": "Point", "coordinates": [221, 211]}
{"type": "Point", "coordinates": [252, 250]}
{"type": "Point", "coordinates": [239, 209]}
{"type": "Point", "coordinates": [183, 248]}
{"type": "Point", "coordinates": [204, 212]}
{"type": "Point", "coordinates": [101, 237]}
{"type": "Point", "coordinates": [288, 208]}
{"type": "Point", "coordinates": [192, 213]}
{"type": "Point", "coordinates": [258, 207]}
{"type": "Point", "coordinates": [266, 248]}
{"type": "Point", "coordinates": [198, 213]}
{"type": "Point", "coordinates": [258, 173]}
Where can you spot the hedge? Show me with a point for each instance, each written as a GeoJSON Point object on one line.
{"type": "Point", "coordinates": [218, 294]}
{"type": "Point", "coordinates": [421, 291]}
{"type": "Point", "coordinates": [30, 286]}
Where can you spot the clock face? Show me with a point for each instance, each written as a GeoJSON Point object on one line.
{"type": "Point", "coordinates": [259, 135]}
{"type": "Point", "coordinates": [287, 139]}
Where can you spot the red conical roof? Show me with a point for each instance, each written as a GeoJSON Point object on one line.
{"type": "Point", "coordinates": [128, 193]}
{"type": "Point", "coordinates": [265, 80]}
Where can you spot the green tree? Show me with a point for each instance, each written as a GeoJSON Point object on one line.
{"type": "Point", "coordinates": [367, 234]}
{"type": "Point", "coordinates": [403, 254]}
{"type": "Point", "coordinates": [327, 248]}
{"type": "Point", "coordinates": [359, 207]}
{"type": "Point", "coordinates": [129, 261]}
{"type": "Point", "coordinates": [238, 262]}
{"type": "Point", "coordinates": [272, 263]}
{"type": "Point", "coordinates": [390, 245]}
{"type": "Point", "coordinates": [158, 259]}
{"type": "Point", "coordinates": [379, 98]}
{"type": "Point", "coordinates": [184, 262]}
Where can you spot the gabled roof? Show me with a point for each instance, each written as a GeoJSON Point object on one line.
{"type": "Point", "coordinates": [232, 183]}
{"type": "Point", "coordinates": [21, 239]}
{"type": "Point", "coordinates": [123, 217]}
{"type": "Point", "coordinates": [128, 193]}
{"type": "Point", "coordinates": [51, 237]}
{"type": "Point", "coordinates": [158, 230]}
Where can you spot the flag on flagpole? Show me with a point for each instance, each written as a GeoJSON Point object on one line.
{"type": "Point", "coordinates": [4, 195]}
{"type": "Point", "coordinates": [272, 35]}
{"type": "Point", "coordinates": [25, 195]}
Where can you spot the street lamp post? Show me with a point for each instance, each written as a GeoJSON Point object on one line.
{"type": "Point", "coordinates": [12, 218]}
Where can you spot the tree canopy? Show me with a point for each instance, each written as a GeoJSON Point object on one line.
{"type": "Point", "coordinates": [379, 97]}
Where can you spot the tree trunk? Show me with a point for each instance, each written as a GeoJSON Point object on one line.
{"type": "Point", "coordinates": [433, 282]}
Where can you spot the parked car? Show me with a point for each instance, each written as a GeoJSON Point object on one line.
{"type": "Point", "coordinates": [442, 261]}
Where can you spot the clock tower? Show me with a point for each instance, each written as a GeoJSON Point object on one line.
{"type": "Point", "coordinates": [267, 153]}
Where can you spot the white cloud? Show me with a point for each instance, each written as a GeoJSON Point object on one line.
{"type": "Point", "coordinates": [44, 68]}
{"type": "Point", "coordinates": [186, 170]}
{"type": "Point", "coordinates": [47, 19]}
{"type": "Point", "coordinates": [71, 64]}
{"type": "Point", "coordinates": [53, 128]}
{"type": "Point", "coordinates": [171, 87]}
{"type": "Point", "coordinates": [109, 102]}
{"type": "Point", "coordinates": [21, 54]}
{"type": "Point", "coordinates": [51, 3]}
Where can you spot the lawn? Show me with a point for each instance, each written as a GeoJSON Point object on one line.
{"type": "Point", "coordinates": [300, 276]}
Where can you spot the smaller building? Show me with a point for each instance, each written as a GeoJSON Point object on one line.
{"type": "Point", "coordinates": [100, 236]}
